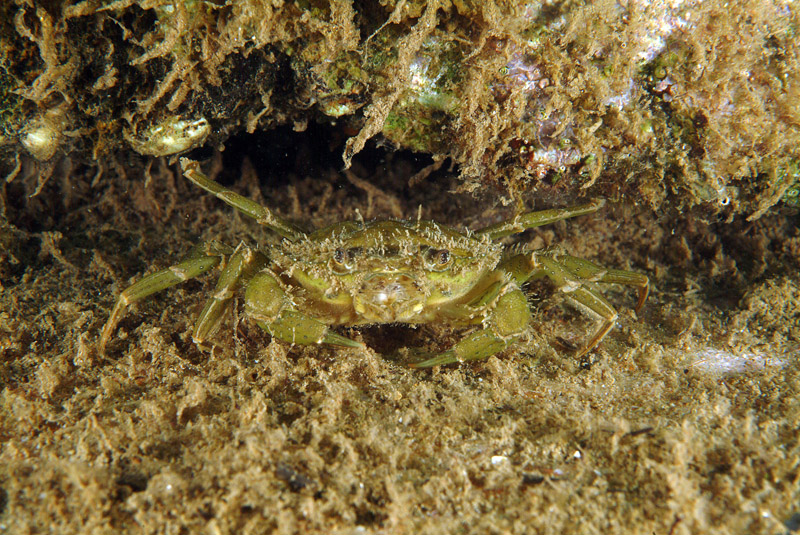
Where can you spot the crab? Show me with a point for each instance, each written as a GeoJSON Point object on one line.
{"type": "Point", "coordinates": [386, 271]}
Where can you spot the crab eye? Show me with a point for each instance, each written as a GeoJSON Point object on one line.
{"type": "Point", "coordinates": [339, 255]}
{"type": "Point", "coordinates": [438, 258]}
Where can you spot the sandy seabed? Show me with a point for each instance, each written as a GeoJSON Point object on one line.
{"type": "Point", "coordinates": [684, 421]}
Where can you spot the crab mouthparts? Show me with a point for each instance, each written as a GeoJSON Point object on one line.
{"type": "Point", "coordinates": [386, 298]}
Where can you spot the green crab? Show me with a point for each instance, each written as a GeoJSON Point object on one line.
{"type": "Point", "coordinates": [375, 272]}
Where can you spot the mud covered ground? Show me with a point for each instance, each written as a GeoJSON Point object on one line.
{"type": "Point", "coordinates": [685, 420]}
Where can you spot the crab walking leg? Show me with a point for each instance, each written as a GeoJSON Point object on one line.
{"type": "Point", "coordinates": [597, 304]}
{"type": "Point", "coordinates": [263, 215]}
{"type": "Point", "coordinates": [569, 273]}
{"type": "Point", "coordinates": [537, 219]}
{"type": "Point", "coordinates": [589, 271]}
{"type": "Point", "coordinates": [569, 283]}
{"type": "Point", "coordinates": [243, 263]}
{"type": "Point", "coordinates": [273, 311]}
{"type": "Point", "coordinates": [508, 321]}
{"type": "Point", "coordinates": [201, 259]}
{"type": "Point", "coordinates": [527, 266]}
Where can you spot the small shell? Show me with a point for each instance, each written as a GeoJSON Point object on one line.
{"type": "Point", "coordinates": [171, 136]}
{"type": "Point", "coordinates": [42, 137]}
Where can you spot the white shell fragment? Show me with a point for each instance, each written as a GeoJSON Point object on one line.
{"type": "Point", "coordinates": [171, 136]}
{"type": "Point", "coordinates": [42, 137]}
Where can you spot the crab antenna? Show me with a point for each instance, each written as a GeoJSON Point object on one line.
{"type": "Point", "coordinates": [528, 220]}
{"type": "Point", "coordinates": [264, 216]}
